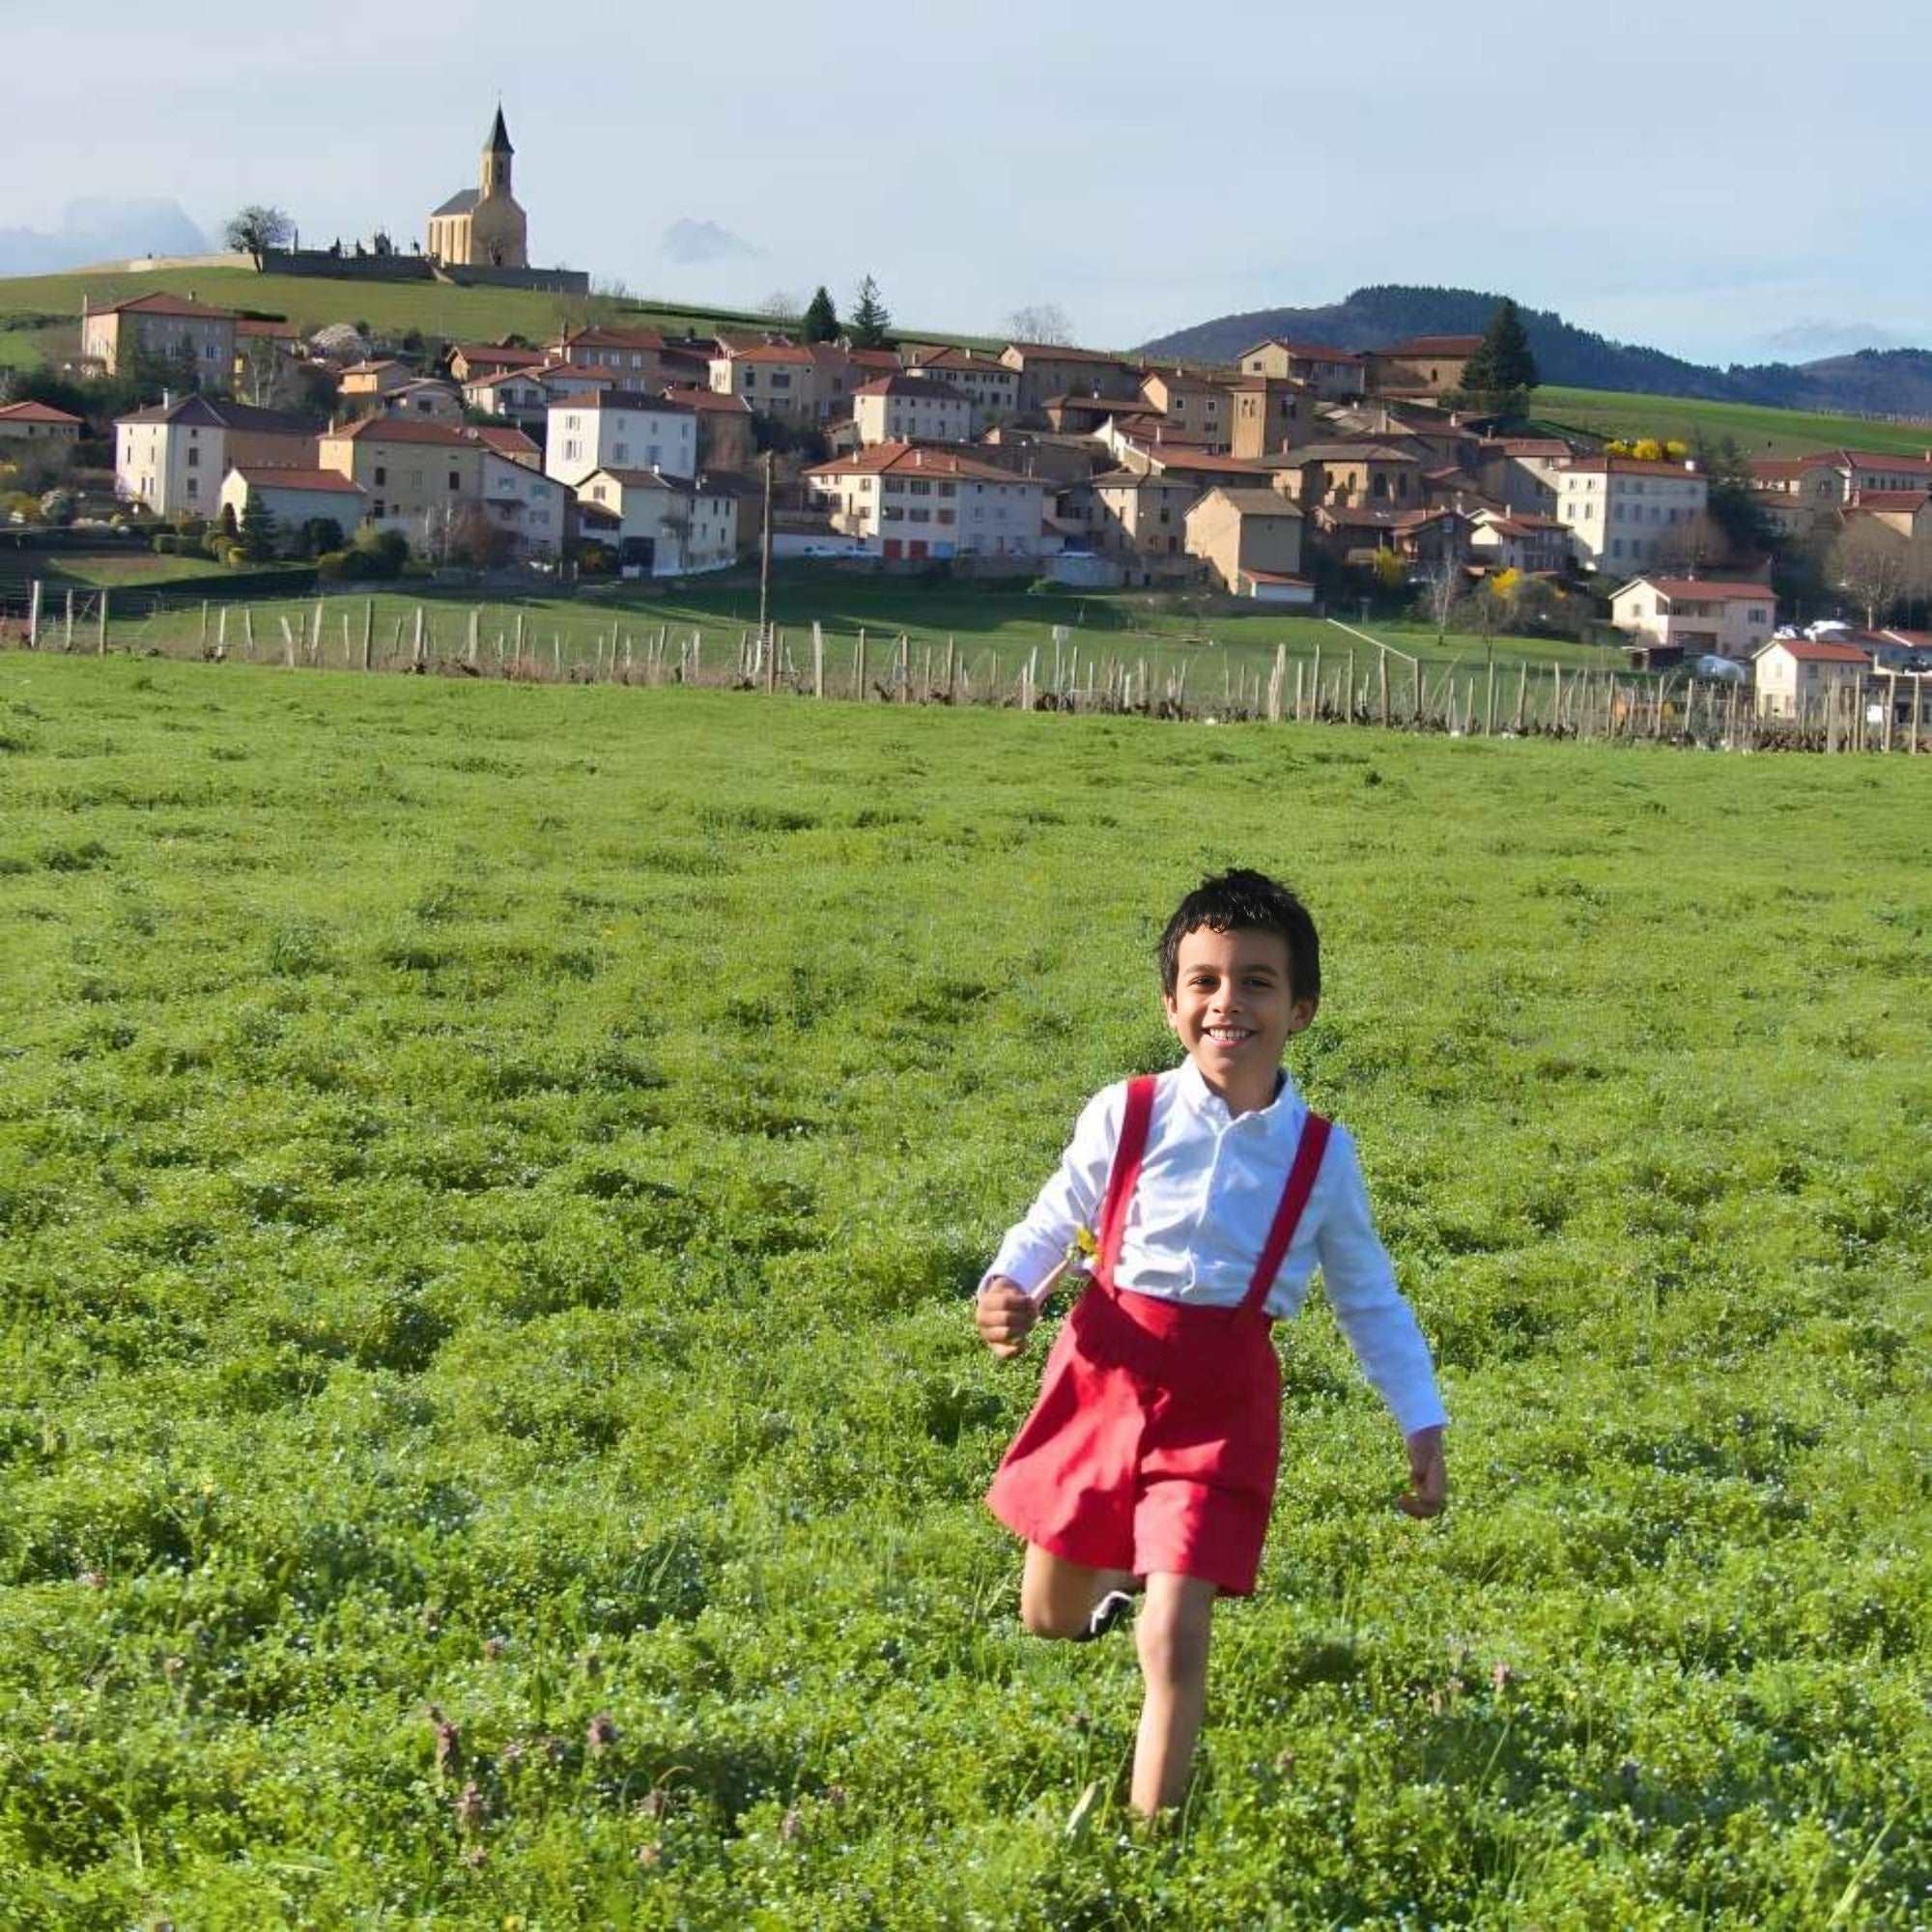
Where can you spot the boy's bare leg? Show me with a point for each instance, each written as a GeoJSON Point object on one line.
{"type": "Point", "coordinates": [1058, 1597]}
{"type": "Point", "coordinates": [1171, 1635]}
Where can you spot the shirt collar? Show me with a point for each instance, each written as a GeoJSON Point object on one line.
{"type": "Point", "coordinates": [1286, 1106]}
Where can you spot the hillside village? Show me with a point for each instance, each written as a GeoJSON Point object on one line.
{"type": "Point", "coordinates": [1299, 474]}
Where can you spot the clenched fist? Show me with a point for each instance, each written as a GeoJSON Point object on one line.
{"type": "Point", "coordinates": [1005, 1314]}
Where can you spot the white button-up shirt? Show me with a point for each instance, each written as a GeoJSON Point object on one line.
{"type": "Point", "coordinates": [1208, 1187]}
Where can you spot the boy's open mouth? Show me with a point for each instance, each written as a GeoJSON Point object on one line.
{"type": "Point", "coordinates": [1229, 1035]}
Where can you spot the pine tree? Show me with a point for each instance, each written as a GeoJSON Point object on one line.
{"type": "Point", "coordinates": [1502, 372]}
{"type": "Point", "coordinates": [257, 530]}
{"type": "Point", "coordinates": [870, 319]}
{"type": "Point", "coordinates": [821, 319]}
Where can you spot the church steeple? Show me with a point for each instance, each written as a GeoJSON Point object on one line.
{"type": "Point", "coordinates": [496, 152]}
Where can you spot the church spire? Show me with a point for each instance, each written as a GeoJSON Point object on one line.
{"type": "Point", "coordinates": [499, 142]}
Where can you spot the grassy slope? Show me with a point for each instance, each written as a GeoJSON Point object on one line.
{"type": "Point", "coordinates": [490, 1176]}
{"type": "Point", "coordinates": [1759, 432]}
{"type": "Point", "coordinates": [469, 314]}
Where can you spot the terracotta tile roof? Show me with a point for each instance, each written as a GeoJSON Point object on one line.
{"type": "Point", "coordinates": [1433, 345]}
{"type": "Point", "coordinates": [577, 374]}
{"type": "Point", "coordinates": [627, 398]}
{"type": "Point", "coordinates": [706, 402]}
{"type": "Point", "coordinates": [1305, 352]}
{"type": "Point", "coordinates": [773, 351]}
{"type": "Point", "coordinates": [1868, 459]}
{"type": "Point", "coordinates": [496, 351]}
{"type": "Point", "coordinates": [914, 385]}
{"type": "Point", "coordinates": [163, 303]}
{"type": "Point", "coordinates": [1348, 452]}
{"type": "Point", "coordinates": [920, 459]}
{"type": "Point", "coordinates": [219, 412]}
{"type": "Point", "coordinates": [1630, 466]}
{"type": "Point", "coordinates": [1135, 479]}
{"type": "Point", "coordinates": [1134, 405]}
{"type": "Point", "coordinates": [1060, 352]}
{"type": "Point", "coordinates": [965, 362]}
{"type": "Point", "coordinates": [255, 324]}
{"type": "Point", "coordinates": [1810, 650]}
{"type": "Point", "coordinates": [1254, 502]}
{"type": "Point", "coordinates": [1889, 499]}
{"type": "Point", "coordinates": [503, 376]}
{"type": "Point", "coordinates": [35, 412]}
{"type": "Point", "coordinates": [1200, 462]}
{"type": "Point", "coordinates": [507, 442]}
{"type": "Point", "coordinates": [266, 476]}
{"type": "Point", "coordinates": [1705, 589]}
{"type": "Point", "coordinates": [401, 428]}
{"type": "Point", "coordinates": [638, 339]}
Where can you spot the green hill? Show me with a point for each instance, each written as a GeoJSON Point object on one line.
{"type": "Point", "coordinates": [32, 307]}
{"type": "Point", "coordinates": [1759, 428]}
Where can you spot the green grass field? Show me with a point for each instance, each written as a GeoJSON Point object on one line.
{"type": "Point", "coordinates": [1758, 432]}
{"type": "Point", "coordinates": [434, 308]}
{"type": "Point", "coordinates": [489, 1181]}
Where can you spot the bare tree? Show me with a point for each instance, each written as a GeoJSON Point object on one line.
{"type": "Point", "coordinates": [256, 228]}
{"type": "Point", "coordinates": [1441, 585]}
{"type": "Point", "coordinates": [781, 305]}
{"type": "Point", "coordinates": [1875, 567]}
{"type": "Point", "coordinates": [1044, 322]}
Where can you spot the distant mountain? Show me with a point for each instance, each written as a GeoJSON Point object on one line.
{"type": "Point", "coordinates": [101, 230]}
{"type": "Point", "coordinates": [1876, 381]}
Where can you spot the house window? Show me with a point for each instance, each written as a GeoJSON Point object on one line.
{"type": "Point", "coordinates": [382, 477]}
{"type": "Point", "coordinates": [620, 452]}
{"type": "Point", "coordinates": [455, 479]}
{"type": "Point", "coordinates": [193, 457]}
{"type": "Point", "coordinates": [377, 510]}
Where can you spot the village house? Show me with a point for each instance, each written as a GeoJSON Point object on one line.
{"type": "Point", "coordinates": [1270, 415]}
{"type": "Point", "coordinates": [660, 526]}
{"type": "Point", "coordinates": [1813, 482]}
{"type": "Point", "coordinates": [470, 361]}
{"type": "Point", "coordinates": [1906, 514]}
{"type": "Point", "coordinates": [841, 372]}
{"type": "Point", "coordinates": [1202, 468]}
{"type": "Point", "coordinates": [906, 409]}
{"type": "Point", "coordinates": [46, 430]}
{"type": "Point", "coordinates": [1354, 535]}
{"type": "Point", "coordinates": [1795, 676]}
{"type": "Point", "coordinates": [1046, 453]}
{"type": "Point", "coordinates": [1623, 511]}
{"type": "Point", "coordinates": [520, 499]}
{"type": "Point", "coordinates": [261, 344]}
{"type": "Point", "coordinates": [195, 342]}
{"type": "Point", "coordinates": [995, 388]}
{"type": "Point", "coordinates": [293, 498]}
{"type": "Point", "coordinates": [1426, 365]}
{"type": "Point", "coordinates": [1522, 472]}
{"type": "Point", "coordinates": [1251, 542]}
{"type": "Point", "coordinates": [506, 440]}
{"type": "Point", "coordinates": [776, 378]}
{"type": "Point", "coordinates": [423, 399]}
{"type": "Point", "coordinates": [173, 456]}
{"type": "Point", "coordinates": [619, 429]}
{"type": "Point", "coordinates": [1333, 375]}
{"type": "Point", "coordinates": [1342, 475]}
{"type": "Point", "coordinates": [420, 478]}
{"type": "Point", "coordinates": [1141, 514]}
{"type": "Point", "coordinates": [566, 382]}
{"type": "Point", "coordinates": [1537, 546]}
{"type": "Point", "coordinates": [907, 500]}
{"type": "Point", "coordinates": [1861, 470]}
{"type": "Point", "coordinates": [1050, 369]}
{"type": "Point", "coordinates": [725, 435]}
{"type": "Point", "coordinates": [375, 378]}
{"type": "Point", "coordinates": [1085, 414]}
{"type": "Point", "coordinates": [1192, 404]}
{"type": "Point", "coordinates": [633, 356]}
{"type": "Point", "coordinates": [518, 395]}
{"type": "Point", "coordinates": [484, 226]}
{"type": "Point", "coordinates": [1694, 616]}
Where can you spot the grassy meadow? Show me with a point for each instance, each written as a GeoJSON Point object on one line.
{"type": "Point", "coordinates": [491, 1177]}
{"type": "Point", "coordinates": [1759, 430]}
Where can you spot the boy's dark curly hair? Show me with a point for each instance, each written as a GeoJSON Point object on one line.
{"type": "Point", "coordinates": [1246, 901]}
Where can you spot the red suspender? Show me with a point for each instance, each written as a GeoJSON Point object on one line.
{"type": "Point", "coordinates": [1125, 1172]}
{"type": "Point", "coordinates": [1288, 1217]}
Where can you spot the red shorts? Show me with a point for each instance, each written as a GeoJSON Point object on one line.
{"type": "Point", "coordinates": [1155, 1442]}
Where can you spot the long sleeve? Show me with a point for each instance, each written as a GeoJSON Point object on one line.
{"type": "Point", "coordinates": [1070, 1200]}
{"type": "Point", "coordinates": [1361, 1283]}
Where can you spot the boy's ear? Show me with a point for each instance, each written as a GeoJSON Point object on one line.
{"type": "Point", "coordinates": [1300, 1015]}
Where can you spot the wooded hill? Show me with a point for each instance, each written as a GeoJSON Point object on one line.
{"type": "Point", "coordinates": [1884, 382]}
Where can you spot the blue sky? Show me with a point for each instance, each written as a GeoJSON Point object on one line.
{"type": "Point", "coordinates": [1722, 180]}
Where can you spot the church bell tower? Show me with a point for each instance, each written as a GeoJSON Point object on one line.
{"type": "Point", "coordinates": [497, 156]}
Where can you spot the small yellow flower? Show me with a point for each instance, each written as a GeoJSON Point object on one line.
{"type": "Point", "coordinates": [1081, 1251]}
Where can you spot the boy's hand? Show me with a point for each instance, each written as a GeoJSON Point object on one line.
{"type": "Point", "coordinates": [1005, 1314]}
{"type": "Point", "coordinates": [1428, 1479]}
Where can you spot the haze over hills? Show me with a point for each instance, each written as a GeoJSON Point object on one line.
{"type": "Point", "coordinates": [1878, 382]}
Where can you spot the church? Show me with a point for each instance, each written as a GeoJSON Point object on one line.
{"type": "Point", "coordinates": [483, 227]}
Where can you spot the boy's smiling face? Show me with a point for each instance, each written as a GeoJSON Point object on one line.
{"type": "Point", "coordinates": [1234, 1008]}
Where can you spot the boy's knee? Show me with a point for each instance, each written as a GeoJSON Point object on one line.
{"type": "Point", "coordinates": [1051, 1620]}
{"type": "Point", "coordinates": [1172, 1638]}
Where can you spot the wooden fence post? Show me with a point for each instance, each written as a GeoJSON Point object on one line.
{"type": "Point", "coordinates": [288, 643]}
{"type": "Point", "coordinates": [475, 640]}
{"type": "Point", "coordinates": [520, 633]}
{"type": "Point", "coordinates": [101, 627]}
{"type": "Point", "coordinates": [34, 619]}
{"type": "Point", "coordinates": [368, 629]}
{"type": "Point", "coordinates": [818, 658]}
{"type": "Point", "coordinates": [1277, 677]}
{"type": "Point", "coordinates": [67, 635]}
